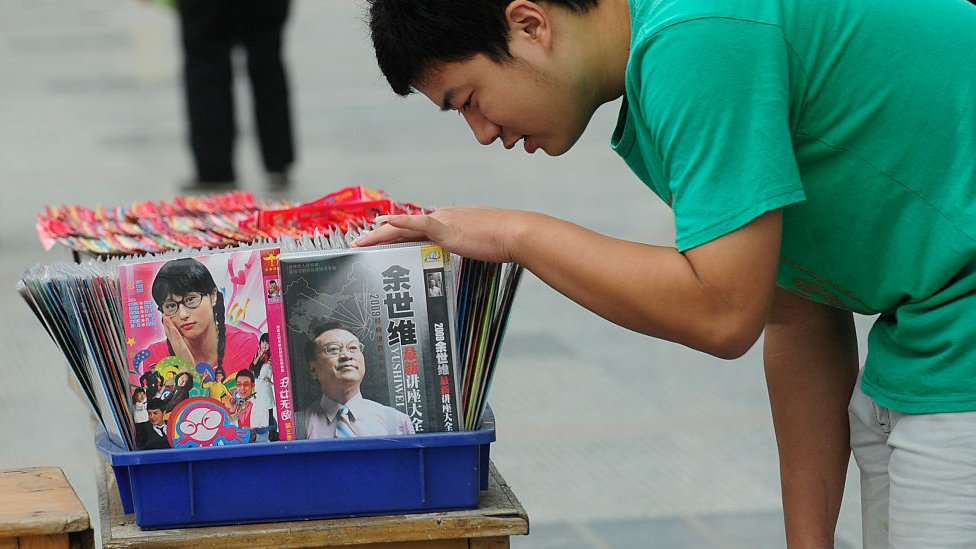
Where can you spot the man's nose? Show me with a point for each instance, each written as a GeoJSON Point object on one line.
{"type": "Point", "coordinates": [485, 131]}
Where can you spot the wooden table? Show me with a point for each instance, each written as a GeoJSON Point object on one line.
{"type": "Point", "coordinates": [39, 509]}
{"type": "Point", "coordinates": [498, 516]}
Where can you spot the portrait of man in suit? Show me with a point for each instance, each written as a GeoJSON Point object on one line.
{"type": "Point", "coordinates": [151, 435]}
{"type": "Point", "coordinates": [336, 361]}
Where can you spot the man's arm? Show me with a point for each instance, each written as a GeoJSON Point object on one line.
{"type": "Point", "coordinates": [714, 298]}
{"type": "Point", "coordinates": [811, 366]}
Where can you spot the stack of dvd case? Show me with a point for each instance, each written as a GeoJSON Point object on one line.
{"type": "Point", "coordinates": [207, 221]}
{"type": "Point", "coordinates": [281, 339]}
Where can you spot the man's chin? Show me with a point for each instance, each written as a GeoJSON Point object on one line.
{"type": "Point", "coordinates": [349, 376]}
{"type": "Point", "coordinates": [558, 149]}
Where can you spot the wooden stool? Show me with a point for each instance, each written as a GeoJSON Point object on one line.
{"type": "Point", "coordinates": [498, 516]}
{"type": "Point", "coordinates": [39, 509]}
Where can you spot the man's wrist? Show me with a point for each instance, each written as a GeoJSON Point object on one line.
{"type": "Point", "coordinates": [524, 228]}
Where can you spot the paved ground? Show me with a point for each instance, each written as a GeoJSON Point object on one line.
{"type": "Point", "coordinates": [610, 439]}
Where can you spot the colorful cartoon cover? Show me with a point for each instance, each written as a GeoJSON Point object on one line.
{"type": "Point", "coordinates": [203, 340]}
{"type": "Point", "coordinates": [370, 341]}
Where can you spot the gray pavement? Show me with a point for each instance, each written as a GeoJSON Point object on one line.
{"type": "Point", "coordinates": [609, 438]}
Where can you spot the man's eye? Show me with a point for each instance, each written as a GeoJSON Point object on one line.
{"type": "Point", "coordinates": [464, 106]}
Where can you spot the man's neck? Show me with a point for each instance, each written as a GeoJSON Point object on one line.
{"type": "Point", "coordinates": [605, 30]}
{"type": "Point", "coordinates": [344, 396]}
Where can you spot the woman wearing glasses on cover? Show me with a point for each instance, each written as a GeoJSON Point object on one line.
{"type": "Point", "coordinates": [192, 312]}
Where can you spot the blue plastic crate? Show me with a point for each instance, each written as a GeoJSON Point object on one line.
{"type": "Point", "coordinates": [305, 479]}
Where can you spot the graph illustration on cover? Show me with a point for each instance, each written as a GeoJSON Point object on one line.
{"type": "Point", "coordinates": [370, 341]}
{"type": "Point", "coordinates": [201, 339]}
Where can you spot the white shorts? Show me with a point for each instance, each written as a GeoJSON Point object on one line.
{"type": "Point", "coordinates": [918, 476]}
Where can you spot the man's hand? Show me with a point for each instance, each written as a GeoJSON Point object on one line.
{"type": "Point", "coordinates": [476, 232]}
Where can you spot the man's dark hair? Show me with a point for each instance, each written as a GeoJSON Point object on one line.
{"type": "Point", "coordinates": [154, 404]}
{"type": "Point", "coordinates": [318, 329]}
{"type": "Point", "coordinates": [411, 36]}
{"type": "Point", "coordinates": [244, 372]}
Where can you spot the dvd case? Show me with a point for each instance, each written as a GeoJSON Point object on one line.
{"type": "Point", "coordinates": [371, 331]}
{"type": "Point", "coordinates": [177, 350]}
{"type": "Point", "coordinates": [202, 340]}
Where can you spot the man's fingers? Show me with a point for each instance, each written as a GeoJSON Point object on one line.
{"type": "Point", "coordinates": [383, 235]}
{"type": "Point", "coordinates": [398, 228]}
{"type": "Point", "coordinates": [424, 225]}
{"type": "Point", "coordinates": [417, 223]}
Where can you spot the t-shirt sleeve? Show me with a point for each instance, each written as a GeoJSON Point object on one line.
{"type": "Point", "coordinates": [715, 94]}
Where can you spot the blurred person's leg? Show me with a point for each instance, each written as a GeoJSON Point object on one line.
{"type": "Point", "coordinates": [262, 37]}
{"type": "Point", "coordinates": [208, 29]}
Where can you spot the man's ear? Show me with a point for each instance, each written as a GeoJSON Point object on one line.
{"type": "Point", "coordinates": [528, 20]}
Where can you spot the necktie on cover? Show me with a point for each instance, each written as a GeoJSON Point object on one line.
{"type": "Point", "coordinates": [343, 427]}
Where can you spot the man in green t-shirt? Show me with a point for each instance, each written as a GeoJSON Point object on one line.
{"type": "Point", "coordinates": [820, 159]}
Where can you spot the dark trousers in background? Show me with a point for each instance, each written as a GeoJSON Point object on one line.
{"type": "Point", "coordinates": [210, 30]}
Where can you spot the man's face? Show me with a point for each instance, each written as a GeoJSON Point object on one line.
{"type": "Point", "coordinates": [339, 363]}
{"type": "Point", "coordinates": [245, 386]}
{"type": "Point", "coordinates": [155, 416]}
{"type": "Point", "coordinates": [530, 98]}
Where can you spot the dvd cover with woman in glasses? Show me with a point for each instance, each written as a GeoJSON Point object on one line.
{"type": "Point", "coordinates": [201, 346]}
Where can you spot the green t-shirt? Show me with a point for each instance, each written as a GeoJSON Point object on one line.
{"type": "Point", "coordinates": [858, 119]}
